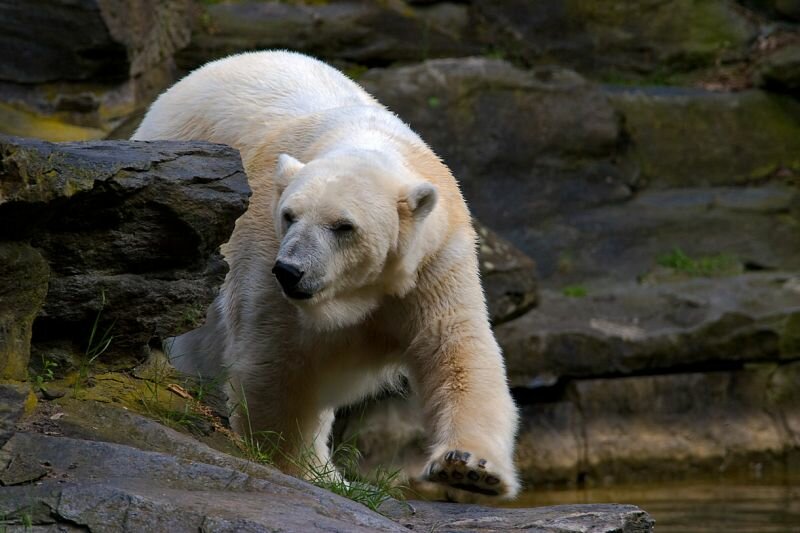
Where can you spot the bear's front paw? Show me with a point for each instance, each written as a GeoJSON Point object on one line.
{"type": "Point", "coordinates": [472, 473]}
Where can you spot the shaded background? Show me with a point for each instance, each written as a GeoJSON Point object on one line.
{"type": "Point", "coordinates": [645, 154]}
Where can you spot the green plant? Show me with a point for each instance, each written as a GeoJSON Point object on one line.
{"type": "Point", "coordinates": [712, 265]}
{"type": "Point", "coordinates": [45, 375]}
{"type": "Point", "coordinates": [97, 345]}
{"type": "Point", "coordinates": [575, 291]}
{"type": "Point", "coordinates": [371, 491]}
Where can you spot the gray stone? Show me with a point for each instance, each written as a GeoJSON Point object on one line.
{"type": "Point", "coordinates": [613, 39]}
{"type": "Point", "coordinates": [98, 485]}
{"type": "Point", "coordinates": [690, 137]}
{"type": "Point", "coordinates": [780, 70]}
{"type": "Point", "coordinates": [13, 399]}
{"type": "Point", "coordinates": [755, 226]}
{"type": "Point", "coordinates": [365, 33]}
{"type": "Point", "coordinates": [635, 329]}
{"type": "Point", "coordinates": [508, 276]}
{"type": "Point", "coordinates": [106, 486]}
{"type": "Point", "coordinates": [599, 518]}
{"type": "Point", "coordinates": [130, 230]}
{"type": "Point", "coordinates": [79, 40]}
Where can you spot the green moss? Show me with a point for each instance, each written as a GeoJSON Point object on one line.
{"type": "Point", "coordinates": [704, 266]}
{"type": "Point", "coordinates": [790, 340]}
{"type": "Point", "coordinates": [575, 291]}
{"type": "Point", "coordinates": [687, 138]}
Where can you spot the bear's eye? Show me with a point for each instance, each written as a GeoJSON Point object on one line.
{"type": "Point", "coordinates": [342, 227]}
{"type": "Point", "coordinates": [288, 218]}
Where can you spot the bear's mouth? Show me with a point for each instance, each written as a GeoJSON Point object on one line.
{"type": "Point", "coordinates": [296, 294]}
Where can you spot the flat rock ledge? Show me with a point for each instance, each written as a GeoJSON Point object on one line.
{"type": "Point", "coordinates": [62, 473]}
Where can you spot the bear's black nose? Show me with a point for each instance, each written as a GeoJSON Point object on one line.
{"type": "Point", "coordinates": [288, 276]}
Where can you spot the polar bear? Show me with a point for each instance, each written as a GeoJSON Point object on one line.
{"type": "Point", "coordinates": [355, 263]}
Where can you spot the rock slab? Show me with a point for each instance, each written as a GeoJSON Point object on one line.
{"type": "Point", "coordinates": [130, 230]}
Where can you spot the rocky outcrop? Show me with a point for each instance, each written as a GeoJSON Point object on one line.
{"type": "Point", "coordinates": [79, 70]}
{"type": "Point", "coordinates": [508, 276]}
{"type": "Point", "coordinates": [345, 31]}
{"type": "Point", "coordinates": [66, 467]}
{"type": "Point", "coordinates": [650, 329]}
{"type": "Point", "coordinates": [612, 40]}
{"type": "Point", "coordinates": [128, 233]}
{"type": "Point", "coordinates": [588, 177]}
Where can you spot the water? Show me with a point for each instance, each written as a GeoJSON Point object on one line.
{"type": "Point", "coordinates": [702, 507]}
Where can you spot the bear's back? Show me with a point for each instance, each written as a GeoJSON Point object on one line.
{"type": "Point", "coordinates": [236, 98]}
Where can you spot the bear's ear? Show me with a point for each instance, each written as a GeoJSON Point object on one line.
{"type": "Point", "coordinates": [421, 199]}
{"type": "Point", "coordinates": [286, 169]}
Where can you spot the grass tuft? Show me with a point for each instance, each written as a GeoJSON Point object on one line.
{"type": "Point", "coordinates": [706, 266]}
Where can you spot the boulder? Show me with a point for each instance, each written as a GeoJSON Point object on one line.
{"type": "Point", "coordinates": [614, 39]}
{"type": "Point", "coordinates": [622, 242]}
{"type": "Point", "coordinates": [780, 69]}
{"type": "Point", "coordinates": [354, 32]}
{"type": "Point", "coordinates": [77, 70]}
{"type": "Point", "coordinates": [676, 143]}
{"type": "Point", "coordinates": [597, 183]}
{"type": "Point", "coordinates": [142, 474]}
{"type": "Point", "coordinates": [508, 276]}
{"type": "Point", "coordinates": [637, 329]}
{"type": "Point", "coordinates": [130, 231]}
{"type": "Point", "coordinates": [15, 399]}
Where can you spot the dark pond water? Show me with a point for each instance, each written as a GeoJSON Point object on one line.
{"type": "Point", "coordinates": [701, 507]}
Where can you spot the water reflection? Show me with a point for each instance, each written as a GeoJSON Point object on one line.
{"type": "Point", "coordinates": [703, 507]}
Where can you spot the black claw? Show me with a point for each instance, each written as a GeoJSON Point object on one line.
{"type": "Point", "coordinates": [473, 475]}
{"type": "Point", "coordinates": [450, 456]}
{"type": "Point", "coordinates": [430, 471]}
{"type": "Point", "coordinates": [491, 480]}
{"type": "Point", "coordinates": [482, 463]}
{"type": "Point", "coordinates": [465, 457]}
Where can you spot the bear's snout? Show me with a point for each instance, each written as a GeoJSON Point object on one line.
{"type": "Point", "coordinates": [289, 276]}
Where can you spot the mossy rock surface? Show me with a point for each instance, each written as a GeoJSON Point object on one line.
{"type": "Point", "coordinates": [24, 275]}
{"type": "Point", "coordinates": [686, 137]}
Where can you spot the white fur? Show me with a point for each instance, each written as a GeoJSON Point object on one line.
{"type": "Point", "coordinates": [401, 291]}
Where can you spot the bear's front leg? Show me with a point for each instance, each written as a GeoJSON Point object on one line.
{"type": "Point", "coordinates": [459, 373]}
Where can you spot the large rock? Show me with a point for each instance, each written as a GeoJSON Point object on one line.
{"type": "Point", "coordinates": [78, 70]}
{"type": "Point", "coordinates": [508, 276]}
{"type": "Point", "coordinates": [88, 39]}
{"type": "Point", "coordinates": [615, 39]}
{"type": "Point", "coordinates": [130, 231]}
{"type": "Point", "coordinates": [622, 242]}
{"type": "Point", "coordinates": [364, 33]}
{"type": "Point", "coordinates": [691, 137]}
{"type": "Point", "coordinates": [599, 518]}
{"type": "Point", "coordinates": [780, 70]}
{"type": "Point", "coordinates": [596, 184]}
{"type": "Point", "coordinates": [101, 467]}
{"type": "Point", "coordinates": [23, 284]}
{"type": "Point", "coordinates": [636, 329]}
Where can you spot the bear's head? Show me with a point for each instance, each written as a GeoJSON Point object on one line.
{"type": "Point", "coordinates": [353, 228]}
